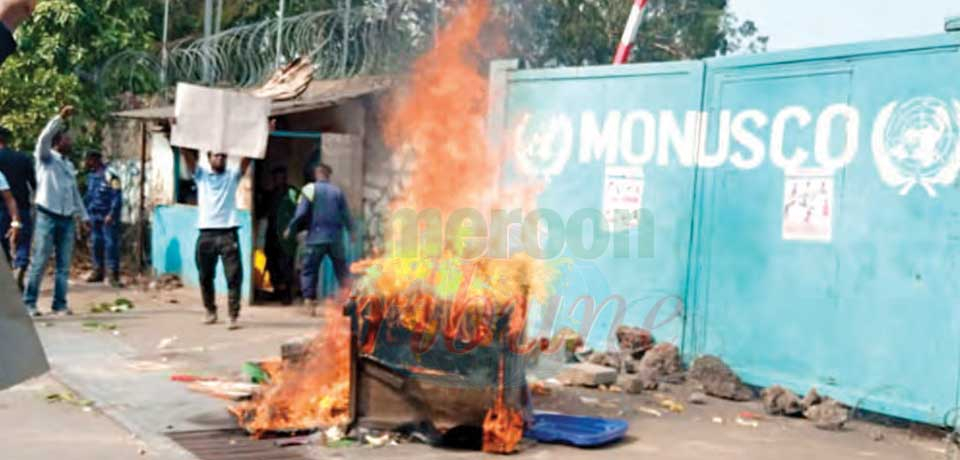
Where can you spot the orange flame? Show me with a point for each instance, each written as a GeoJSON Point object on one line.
{"type": "Point", "coordinates": [439, 122]}
{"type": "Point", "coordinates": [311, 392]}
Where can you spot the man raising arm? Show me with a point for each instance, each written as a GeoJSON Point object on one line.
{"type": "Point", "coordinates": [218, 224]}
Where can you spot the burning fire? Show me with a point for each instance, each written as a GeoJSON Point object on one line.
{"type": "Point", "coordinates": [308, 393]}
{"type": "Point", "coordinates": [438, 123]}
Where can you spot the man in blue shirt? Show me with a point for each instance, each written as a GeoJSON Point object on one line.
{"type": "Point", "coordinates": [218, 224]}
{"type": "Point", "coordinates": [325, 209]}
{"type": "Point", "coordinates": [18, 169]}
{"type": "Point", "coordinates": [58, 204]}
{"type": "Point", "coordinates": [104, 202]}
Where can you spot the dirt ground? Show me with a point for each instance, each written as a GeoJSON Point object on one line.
{"type": "Point", "coordinates": [124, 367]}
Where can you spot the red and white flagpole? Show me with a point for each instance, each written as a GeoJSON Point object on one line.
{"type": "Point", "coordinates": [630, 32]}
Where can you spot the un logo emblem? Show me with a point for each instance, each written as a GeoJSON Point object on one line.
{"type": "Point", "coordinates": [916, 144]}
{"type": "Point", "coordinates": [543, 145]}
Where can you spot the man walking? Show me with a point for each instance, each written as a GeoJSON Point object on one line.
{"type": "Point", "coordinates": [280, 205]}
{"type": "Point", "coordinates": [325, 208]}
{"type": "Point", "coordinates": [58, 205]}
{"type": "Point", "coordinates": [104, 202]}
{"type": "Point", "coordinates": [18, 169]}
{"type": "Point", "coordinates": [218, 224]}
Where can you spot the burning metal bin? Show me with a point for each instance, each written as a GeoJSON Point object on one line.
{"type": "Point", "coordinates": [400, 377]}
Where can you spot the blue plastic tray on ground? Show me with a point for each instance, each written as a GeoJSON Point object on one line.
{"type": "Point", "coordinates": [576, 430]}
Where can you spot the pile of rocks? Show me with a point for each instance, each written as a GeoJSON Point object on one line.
{"type": "Point", "coordinates": [638, 365]}
{"type": "Point", "coordinates": [825, 413]}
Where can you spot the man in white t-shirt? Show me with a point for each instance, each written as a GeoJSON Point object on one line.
{"type": "Point", "coordinates": [218, 223]}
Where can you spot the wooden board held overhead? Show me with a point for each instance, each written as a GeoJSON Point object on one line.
{"type": "Point", "coordinates": [223, 121]}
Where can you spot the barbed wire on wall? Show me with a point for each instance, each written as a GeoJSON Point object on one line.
{"type": "Point", "coordinates": [381, 36]}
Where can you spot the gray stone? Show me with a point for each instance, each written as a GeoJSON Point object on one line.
{"type": "Point", "coordinates": [664, 359]}
{"type": "Point", "coordinates": [613, 360]}
{"type": "Point", "coordinates": [780, 401]}
{"type": "Point", "coordinates": [633, 384]}
{"type": "Point", "coordinates": [811, 399]}
{"type": "Point", "coordinates": [634, 341]}
{"type": "Point", "coordinates": [828, 415]}
{"type": "Point", "coordinates": [697, 398]}
{"type": "Point", "coordinates": [295, 349]}
{"type": "Point", "coordinates": [586, 374]}
{"type": "Point", "coordinates": [718, 379]}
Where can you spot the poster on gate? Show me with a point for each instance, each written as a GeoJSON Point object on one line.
{"type": "Point", "coordinates": [808, 206]}
{"type": "Point", "coordinates": [622, 197]}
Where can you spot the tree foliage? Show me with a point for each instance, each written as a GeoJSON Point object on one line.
{"type": "Point", "coordinates": [60, 52]}
{"type": "Point", "coordinates": [547, 33]}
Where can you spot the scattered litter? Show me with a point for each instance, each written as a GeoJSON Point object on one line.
{"type": "Point", "coordinates": [232, 391]}
{"type": "Point", "coordinates": [166, 283]}
{"type": "Point", "coordinates": [298, 440]}
{"type": "Point", "coordinates": [256, 373]}
{"type": "Point", "coordinates": [589, 400]}
{"type": "Point", "coordinates": [747, 415]}
{"type": "Point", "coordinates": [148, 366]}
{"type": "Point", "coordinates": [118, 306]}
{"type": "Point", "coordinates": [185, 378]}
{"type": "Point", "coordinates": [377, 441]}
{"type": "Point", "coordinates": [718, 420]}
{"type": "Point", "coordinates": [650, 411]}
{"type": "Point", "coordinates": [167, 342]}
{"type": "Point", "coordinates": [99, 325]}
{"type": "Point", "coordinates": [749, 423]}
{"type": "Point", "coordinates": [672, 406]}
{"type": "Point", "coordinates": [333, 434]}
{"type": "Point", "coordinates": [69, 398]}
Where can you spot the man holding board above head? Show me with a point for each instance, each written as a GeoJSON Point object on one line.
{"type": "Point", "coordinates": [217, 202]}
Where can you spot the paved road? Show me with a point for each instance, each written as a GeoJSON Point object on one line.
{"type": "Point", "coordinates": [127, 376]}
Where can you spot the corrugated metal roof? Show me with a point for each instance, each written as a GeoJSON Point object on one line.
{"type": "Point", "coordinates": [320, 94]}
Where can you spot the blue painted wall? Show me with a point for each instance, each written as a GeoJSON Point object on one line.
{"type": "Point", "coordinates": [866, 312]}
{"type": "Point", "coordinates": [174, 241]}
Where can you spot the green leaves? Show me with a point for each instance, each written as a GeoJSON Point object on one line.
{"type": "Point", "coordinates": [548, 33]}
{"type": "Point", "coordinates": [60, 52]}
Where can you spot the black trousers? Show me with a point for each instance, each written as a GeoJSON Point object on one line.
{"type": "Point", "coordinates": [212, 247]}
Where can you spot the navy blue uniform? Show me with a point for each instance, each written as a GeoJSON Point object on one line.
{"type": "Point", "coordinates": [104, 198]}
{"type": "Point", "coordinates": [326, 207]}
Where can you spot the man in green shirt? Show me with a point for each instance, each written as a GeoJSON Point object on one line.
{"type": "Point", "coordinates": [280, 205]}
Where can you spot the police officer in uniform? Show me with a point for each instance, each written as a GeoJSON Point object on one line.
{"type": "Point", "coordinates": [104, 202]}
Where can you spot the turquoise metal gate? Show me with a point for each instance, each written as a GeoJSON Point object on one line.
{"type": "Point", "coordinates": [803, 206]}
